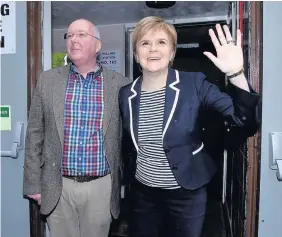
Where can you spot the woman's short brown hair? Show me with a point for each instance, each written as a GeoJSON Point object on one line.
{"type": "Point", "coordinates": [154, 23]}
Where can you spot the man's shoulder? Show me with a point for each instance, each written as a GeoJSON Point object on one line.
{"type": "Point", "coordinates": [118, 76]}
{"type": "Point", "coordinates": [54, 71]}
{"type": "Point", "coordinates": [53, 74]}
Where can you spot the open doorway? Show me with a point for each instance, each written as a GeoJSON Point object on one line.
{"type": "Point", "coordinates": [193, 40]}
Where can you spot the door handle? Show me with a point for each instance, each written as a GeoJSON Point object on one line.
{"type": "Point", "coordinates": [17, 142]}
{"type": "Point", "coordinates": [276, 153]}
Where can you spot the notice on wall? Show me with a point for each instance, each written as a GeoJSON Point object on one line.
{"type": "Point", "coordinates": [59, 59]}
{"type": "Point", "coordinates": [110, 59]}
{"type": "Point", "coordinates": [5, 117]}
{"type": "Point", "coordinates": [8, 27]}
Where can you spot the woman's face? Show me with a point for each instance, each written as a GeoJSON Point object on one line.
{"type": "Point", "coordinates": [154, 51]}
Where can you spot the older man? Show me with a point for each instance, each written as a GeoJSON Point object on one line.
{"type": "Point", "coordinates": [73, 140]}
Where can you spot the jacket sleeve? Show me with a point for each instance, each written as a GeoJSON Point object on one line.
{"type": "Point", "coordinates": [239, 107]}
{"type": "Point", "coordinates": [33, 144]}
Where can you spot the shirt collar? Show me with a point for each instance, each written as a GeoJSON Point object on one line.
{"type": "Point", "coordinates": [97, 71]}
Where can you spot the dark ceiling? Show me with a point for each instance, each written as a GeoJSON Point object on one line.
{"type": "Point", "coordinates": [120, 12]}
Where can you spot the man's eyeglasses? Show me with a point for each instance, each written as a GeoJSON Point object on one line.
{"type": "Point", "coordinates": [80, 35]}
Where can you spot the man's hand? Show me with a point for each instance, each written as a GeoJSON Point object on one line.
{"type": "Point", "coordinates": [36, 197]}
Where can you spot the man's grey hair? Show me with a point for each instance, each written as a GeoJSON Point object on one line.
{"type": "Point", "coordinates": [96, 32]}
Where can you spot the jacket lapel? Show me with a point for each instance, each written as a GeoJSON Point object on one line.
{"type": "Point", "coordinates": [133, 104]}
{"type": "Point", "coordinates": [59, 92]}
{"type": "Point", "coordinates": [110, 93]}
{"type": "Point", "coordinates": [171, 98]}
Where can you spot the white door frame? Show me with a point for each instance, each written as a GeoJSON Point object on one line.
{"type": "Point", "coordinates": [47, 35]}
{"type": "Point", "coordinates": [47, 49]}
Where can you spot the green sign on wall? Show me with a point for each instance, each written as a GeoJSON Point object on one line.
{"type": "Point", "coordinates": [5, 117]}
{"type": "Point", "coordinates": [5, 111]}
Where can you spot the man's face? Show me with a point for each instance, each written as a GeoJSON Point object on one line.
{"type": "Point", "coordinates": [82, 46]}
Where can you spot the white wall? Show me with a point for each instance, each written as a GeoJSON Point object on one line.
{"type": "Point", "coordinates": [270, 208]}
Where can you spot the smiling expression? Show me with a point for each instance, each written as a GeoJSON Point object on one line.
{"type": "Point", "coordinates": [154, 51]}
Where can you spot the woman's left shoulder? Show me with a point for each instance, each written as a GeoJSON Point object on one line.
{"type": "Point", "coordinates": [191, 77]}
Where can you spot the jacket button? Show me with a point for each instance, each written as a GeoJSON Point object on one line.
{"type": "Point", "coordinates": [174, 168]}
{"type": "Point", "coordinates": [244, 118]}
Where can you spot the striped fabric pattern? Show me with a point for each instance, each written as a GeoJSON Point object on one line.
{"type": "Point", "coordinates": [152, 165]}
{"type": "Point", "coordinates": [84, 153]}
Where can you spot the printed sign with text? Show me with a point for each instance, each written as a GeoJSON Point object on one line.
{"type": "Point", "coordinates": [8, 27]}
{"type": "Point", "coordinates": [110, 59]}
